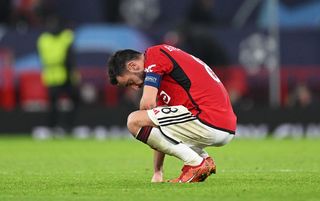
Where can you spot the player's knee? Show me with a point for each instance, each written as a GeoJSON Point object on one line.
{"type": "Point", "coordinates": [137, 120]}
{"type": "Point", "coordinates": [132, 123]}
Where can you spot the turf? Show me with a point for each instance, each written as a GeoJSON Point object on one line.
{"type": "Point", "coordinates": [72, 169]}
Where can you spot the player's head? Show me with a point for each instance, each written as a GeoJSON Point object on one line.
{"type": "Point", "coordinates": [126, 68]}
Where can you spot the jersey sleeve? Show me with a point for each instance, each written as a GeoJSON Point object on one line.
{"type": "Point", "coordinates": [156, 65]}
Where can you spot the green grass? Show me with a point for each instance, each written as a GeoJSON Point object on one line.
{"type": "Point", "coordinates": [121, 170]}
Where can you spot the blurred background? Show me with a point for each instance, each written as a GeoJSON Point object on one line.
{"type": "Point", "coordinates": [266, 52]}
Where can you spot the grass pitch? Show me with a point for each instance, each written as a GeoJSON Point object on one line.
{"type": "Point", "coordinates": [121, 170]}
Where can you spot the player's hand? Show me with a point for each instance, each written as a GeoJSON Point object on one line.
{"type": "Point", "coordinates": [157, 177]}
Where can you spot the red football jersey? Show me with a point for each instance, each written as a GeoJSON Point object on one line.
{"type": "Point", "coordinates": [186, 80]}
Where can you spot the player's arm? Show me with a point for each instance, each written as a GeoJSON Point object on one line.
{"type": "Point", "coordinates": [148, 101]}
{"type": "Point", "coordinates": [150, 91]}
{"type": "Point", "coordinates": [158, 166]}
{"type": "Point", "coordinates": [149, 98]}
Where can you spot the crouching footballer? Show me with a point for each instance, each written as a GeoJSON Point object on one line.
{"type": "Point", "coordinates": [184, 107]}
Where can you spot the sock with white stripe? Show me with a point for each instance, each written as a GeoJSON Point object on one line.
{"type": "Point", "coordinates": [157, 140]}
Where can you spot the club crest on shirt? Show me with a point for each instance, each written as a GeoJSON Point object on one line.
{"type": "Point", "coordinates": [165, 97]}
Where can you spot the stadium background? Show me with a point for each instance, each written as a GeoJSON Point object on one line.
{"type": "Point", "coordinates": [238, 40]}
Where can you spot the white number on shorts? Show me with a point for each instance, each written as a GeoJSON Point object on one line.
{"type": "Point", "coordinates": [167, 110]}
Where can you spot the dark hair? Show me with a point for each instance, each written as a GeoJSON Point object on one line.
{"type": "Point", "coordinates": [117, 63]}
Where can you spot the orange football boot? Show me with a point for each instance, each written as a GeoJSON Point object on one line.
{"type": "Point", "coordinates": [193, 173]}
{"type": "Point", "coordinates": [212, 165]}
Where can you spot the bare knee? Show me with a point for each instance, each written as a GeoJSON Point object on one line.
{"type": "Point", "coordinates": [132, 123]}
{"type": "Point", "coordinates": [137, 120]}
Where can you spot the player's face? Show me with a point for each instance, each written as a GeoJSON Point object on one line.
{"type": "Point", "coordinates": [133, 76]}
{"type": "Point", "coordinates": [133, 80]}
